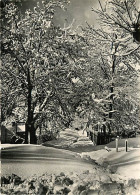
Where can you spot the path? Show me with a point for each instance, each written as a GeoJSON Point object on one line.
{"type": "Point", "coordinates": [27, 160]}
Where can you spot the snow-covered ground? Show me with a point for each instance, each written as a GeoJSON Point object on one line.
{"type": "Point", "coordinates": [108, 172]}
{"type": "Point", "coordinates": [124, 163]}
{"type": "Point", "coordinates": [95, 181]}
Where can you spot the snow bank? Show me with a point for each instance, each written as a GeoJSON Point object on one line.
{"type": "Point", "coordinates": [86, 183]}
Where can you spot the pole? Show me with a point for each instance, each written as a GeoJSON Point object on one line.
{"type": "Point", "coordinates": [117, 144]}
{"type": "Point", "coordinates": [126, 145]}
{"type": "Point", "coordinates": [29, 135]}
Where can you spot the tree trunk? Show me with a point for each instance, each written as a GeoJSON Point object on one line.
{"type": "Point", "coordinates": [111, 106]}
{"type": "Point", "coordinates": [30, 134]}
{"type": "Point", "coordinates": [104, 126]}
{"type": "Point", "coordinates": [112, 88]}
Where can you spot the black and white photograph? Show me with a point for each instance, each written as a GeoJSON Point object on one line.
{"type": "Point", "coordinates": [70, 97]}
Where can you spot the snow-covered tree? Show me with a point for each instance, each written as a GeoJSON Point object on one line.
{"type": "Point", "coordinates": [38, 65]}
{"type": "Point", "coordinates": [115, 62]}
{"type": "Point", "coordinates": [123, 15]}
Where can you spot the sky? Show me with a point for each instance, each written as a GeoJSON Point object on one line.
{"type": "Point", "coordinates": [77, 10]}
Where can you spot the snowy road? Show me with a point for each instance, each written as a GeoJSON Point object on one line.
{"type": "Point", "coordinates": [27, 160]}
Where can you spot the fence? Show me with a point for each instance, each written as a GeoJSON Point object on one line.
{"type": "Point", "coordinates": [99, 138]}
